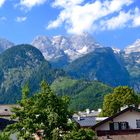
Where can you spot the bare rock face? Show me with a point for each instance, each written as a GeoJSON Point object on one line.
{"type": "Point", "coordinates": [132, 58]}
{"type": "Point", "coordinates": [59, 46]}
{"type": "Point", "coordinates": [5, 44]}
{"type": "Point", "coordinates": [135, 47]}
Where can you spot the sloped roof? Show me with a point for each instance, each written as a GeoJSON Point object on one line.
{"type": "Point", "coordinates": [85, 121]}
{"type": "Point", "coordinates": [114, 116]}
{"type": "Point", "coordinates": [5, 122]}
{"type": "Point", "coordinates": [5, 110]}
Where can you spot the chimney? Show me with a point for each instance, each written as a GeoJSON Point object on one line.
{"type": "Point", "coordinates": [99, 109]}
{"type": "Point", "coordinates": [79, 118]}
{"type": "Point", "coordinates": [139, 106]}
{"type": "Point", "coordinates": [88, 111]}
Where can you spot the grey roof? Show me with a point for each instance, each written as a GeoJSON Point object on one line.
{"type": "Point", "coordinates": [130, 108]}
{"type": "Point", "coordinates": [4, 122]}
{"type": "Point", "coordinates": [5, 110]}
{"type": "Point", "coordinates": [85, 121]}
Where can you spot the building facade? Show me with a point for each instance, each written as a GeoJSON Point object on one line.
{"type": "Point", "coordinates": [124, 125]}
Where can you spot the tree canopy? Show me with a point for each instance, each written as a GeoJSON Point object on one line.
{"type": "Point", "coordinates": [121, 96]}
{"type": "Point", "coordinates": [46, 115]}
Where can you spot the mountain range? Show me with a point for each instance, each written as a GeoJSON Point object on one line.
{"type": "Point", "coordinates": [71, 47]}
{"type": "Point", "coordinates": [79, 60]}
{"type": "Point", "coordinates": [83, 57]}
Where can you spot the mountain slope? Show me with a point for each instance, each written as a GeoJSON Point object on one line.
{"type": "Point", "coordinates": [102, 65]}
{"type": "Point", "coordinates": [131, 59]}
{"type": "Point", "coordinates": [83, 94]}
{"type": "Point", "coordinates": [19, 65]}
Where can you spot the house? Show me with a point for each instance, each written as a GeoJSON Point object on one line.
{"type": "Point", "coordinates": [5, 114]}
{"type": "Point", "coordinates": [5, 111]}
{"type": "Point", "coordinates": [87, 121]}
{"type": "Point", "coordinates": [87, 118]}
{"type": "Point", "coordinates": [125, 125]}
{"type": "Point", "coordinates": [4, 123]}
{"type": "Point", "coordinates": [88, 113]}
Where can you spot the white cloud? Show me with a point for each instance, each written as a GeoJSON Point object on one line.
{"type": "Point", "coordinates": [65, 3]}
{"type": "Point", "coordinates": [119, 21]}
{"type": "Point", "coordinates": [2, 2]}
{"type": "Point", "coordinates": [78, 16]}
{"type": "Point", "coordinates": [136, 19]}
{"type": "Point", "coordinates": [123, 19]}
{"type": "Point", "coordinates": [21, 19]}
{"type": "Point", "coordinates": [28, 4]}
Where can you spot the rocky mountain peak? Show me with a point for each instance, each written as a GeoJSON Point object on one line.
{"type": "Point", "coordinates": [73, 46]}
{"type": "Point", "coordinates": [41, 42]}
{"type": "Point", "coordinates": [80, 41]}
{"type": "Point", "coordinates": [45, 45]}
{"type": "Point", "coordinates": [116, 50]}
{"type": "Point", "coordinates": [5, 44]}
{"type": "Point", "coordinates": [135, 47]}
{"type": "Point", "coordinates": [61, 42]}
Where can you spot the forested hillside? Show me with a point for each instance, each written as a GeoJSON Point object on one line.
{"type": "Point", "coordinates": [102, 65]}
{"type": "Point", "coordinates": [85, 79]}
{"type": "Point", "coordinates": [84, 94]}
{"type": "Point", "coordinates": [20, 65]}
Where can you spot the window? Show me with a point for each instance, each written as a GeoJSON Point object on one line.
{"type": "Point", "coordinates": [111, 125]}
{"type": "Point", "coordinates": [120, 125]}
{"type": "Point", "coordinates": [123, 125]}
{"type": "Point", "coordinates": [138, 123]}
{"type": "Point", "coordinates": [116, 126]}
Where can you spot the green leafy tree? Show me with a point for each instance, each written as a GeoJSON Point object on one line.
{"type": "Point", "coordinates": [44, 114]}
{"type": "Point", "coordinates": [81, 134]}
{"type": "Point", "coordinates": [121, 96]}
{"type": "Point", "coordinates": [4, 136]}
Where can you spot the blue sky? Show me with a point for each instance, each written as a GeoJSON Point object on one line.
{"type": "Point", "coordinates": [111, 22]}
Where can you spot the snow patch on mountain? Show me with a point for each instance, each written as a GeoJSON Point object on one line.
{"type": "Point", "coordinates": [73, 47]}
{"type": "Point", "coordinates": [83, 50]}
{"type": "Point", "coordinates": [116, 50]}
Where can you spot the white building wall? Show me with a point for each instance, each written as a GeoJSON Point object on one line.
{"type": "Point", "coordinates": [104, 126]}
{"type": "Point", "coordinates": [129, 116]}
